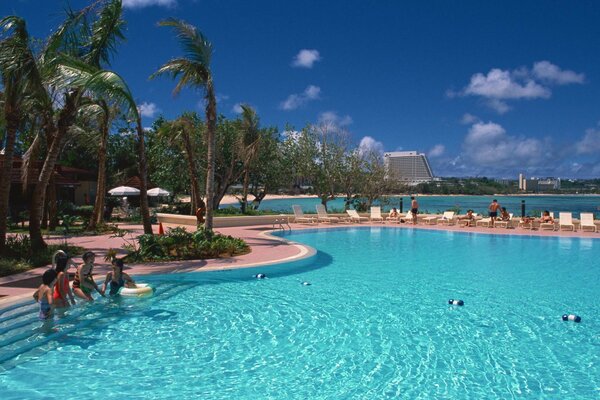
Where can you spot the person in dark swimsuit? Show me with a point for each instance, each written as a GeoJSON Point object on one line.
{"type": "Point", "coordinates": [43, 295]}
{"type": "Point", "coordinates": [116, 279]}
{"type": "Point", "coordinates": [414, 209]}
{"type": "Point", "coordinates": [84, 283]}
{"type": "Point", "coordinates": [493, 208]}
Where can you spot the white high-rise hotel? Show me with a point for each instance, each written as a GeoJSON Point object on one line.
{"type": "Point", "coordinates": [408, 167]}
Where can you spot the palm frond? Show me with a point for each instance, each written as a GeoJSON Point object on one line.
{"type": "Point", "coordinates": [106, 34]}
{"type": "Point", "coordinates": [194, 43]}
{"type": "Point", "coordinates": [190, 73]}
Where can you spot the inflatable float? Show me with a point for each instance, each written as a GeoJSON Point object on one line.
{"type": "Point", "coordinates": [140, 290]}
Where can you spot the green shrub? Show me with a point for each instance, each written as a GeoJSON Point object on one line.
{"type": "Point", "coordinates": [85, 212]}
{"type": "Point", "coordinates": [19, 257]}
{"type": "Point", "coordinates": [179, 244]}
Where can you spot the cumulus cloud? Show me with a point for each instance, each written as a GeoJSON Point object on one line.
{"type": "Point", "coordinates": [237, 108]}
{"type": "Point", "coordinates": [548, 72]}
{"type": "Point", "coordinates": [296, 100]}
{"type": "Point", "coordinates": [590, 143]}
{"type": "Point", "coordinates": [488, 145]}
{"type": "Point", "coordinates": [437, 150]}
{"type": "Point", "coordinates": [499, 86]}
{"type": "Point", "coordinates": [306, 58]}
{"type": "Point", "coordinates": [148, 110]}
{"type": "Point", "coordinates": [147, 3]}
{"type": "Point", "coordinates": [368, 145]}
{"type": "Point", "coordinates": [332, 118]}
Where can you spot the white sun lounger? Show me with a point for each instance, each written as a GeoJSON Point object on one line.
{"type": "Point", "coordinates": [322, 215]}
{"type": "Point", "coordinates": [565, 219]}
{"type": "Point", "coordinates": [487, 222]}
{"type": "Point", "coordinates": [431, 220]}
{"type": "Point", "coordinates": [376, 214]}
{"type": "Point", "coordinates": [548, 225]}
{"type": "Point", "coordinates": [587, 222]}
{"type": "Point", "coordinates": [447, 218]}
{"type": "Point", "coordinates": [299, 216]}
{"type": "Point", "coordinates": [504, 224]}
{"type": "Point", "coordinates": [355, 217]}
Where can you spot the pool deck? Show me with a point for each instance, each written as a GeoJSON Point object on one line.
{"type": "Point", "coordinates": [266, 249]}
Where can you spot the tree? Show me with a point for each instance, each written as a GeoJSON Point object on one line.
{"type": "Point", "coordinates": [16, 62]}
{"type": "Point", "coordinates": [249, 145]}
{"type": "Point", "coordinates": [194, 70]}
{"type": "Point", "coordinates": [181, 133]}
{"type": "Point", "coordinates": [352, 176]}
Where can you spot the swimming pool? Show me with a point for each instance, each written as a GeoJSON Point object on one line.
{"type": "Point", "coordinates": [374, 323]}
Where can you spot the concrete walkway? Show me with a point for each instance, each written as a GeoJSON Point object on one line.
{"type": "Point", "coordinates": [266, 249]}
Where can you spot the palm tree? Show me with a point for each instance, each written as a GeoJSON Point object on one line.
{"type": "Point", "coordinates": [194, 70]}
{"type": "Point", "coordinates": [181, 132]}
{"type": "Point", "coordinates": [249, 148]}
{"type": "Point", "coordinates": [14, 65]}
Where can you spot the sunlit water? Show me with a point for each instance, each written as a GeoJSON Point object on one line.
{"type": "Point", "coordinates": [374, 323]}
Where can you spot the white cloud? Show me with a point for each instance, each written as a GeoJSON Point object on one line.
{"type": "Point", "coordinates": [368, 144]}
{"type": "Point", "coordinates": [590, 143]}
{"type": "Point", "coordinates": [148, 109]}
{"type": "Point", "coordinates": [306, 58]}
{"type": "Point", "coordinates": [468, 119]}
{"type": "Point", "coordinates": [488, 145]}
{"type": "Point", "coordinates": [237, 108]}
{"type": "Point", "coordinates": [548, 72]}
{"type": "Point", "coordinates": [296, 100]}
{"type": "Point", "coordinates": [147, 3]}
{"type": "Point", "coordinates": [332, 118]}
{"type": "Point", "coordinates": [499, 84]}
{"type": "Point", "coordinates": [437, 150]}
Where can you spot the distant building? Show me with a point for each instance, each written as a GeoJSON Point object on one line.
{"type": "Point", "coordinates": [408, 167]}
{"type": "Point", "coordinates": [538, 185]}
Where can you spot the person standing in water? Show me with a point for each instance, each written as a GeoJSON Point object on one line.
{"type": "Point", "coordinates": [84, 283]}
{"type": "Point", "coordinates": [43, 294]}
{"type": "Point", "coordinates": [414, 209]}
{"type": "Point", "coordinates": [62, 290]}
{"type": "Point", "coordinates": [117, 278]}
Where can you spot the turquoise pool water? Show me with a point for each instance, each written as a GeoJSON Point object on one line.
{"type": "Point", "coordinates": [374, 324]}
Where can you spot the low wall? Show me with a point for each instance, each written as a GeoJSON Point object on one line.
{"type": "Point", "coordinates": [223, 222]}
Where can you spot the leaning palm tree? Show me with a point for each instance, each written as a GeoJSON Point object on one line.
{"type": "Point", "coordinates": [194, 70]}
{"type": "Point", "coordinates": [181, 133]}
{"type": "Point", "coordinates": [249, 142]}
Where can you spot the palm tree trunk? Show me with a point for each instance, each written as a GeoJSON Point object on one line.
{"type": "Point", "coordinates": [97, 215]}
{"type": "Point", "coordinates": [6, 174]}
{"type": "Point", "coordinates": [51, 205]}
{"type": "Point", "coordinates": [145, 211]}
{"type": "Point", "coordinates": [244, 205]}
{"type": "Point", "coordinates": [211, 124]}
{"type": "Point", "coordinates": [196, 197]}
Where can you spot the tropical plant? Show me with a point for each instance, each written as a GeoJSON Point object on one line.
{"type": "Point", "coordinates": [194, 70]}
{"type": "Point", "coordinates": [249, 144]}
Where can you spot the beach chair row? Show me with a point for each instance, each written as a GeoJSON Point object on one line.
{"type": "Point", "coordinates": [564, 222]}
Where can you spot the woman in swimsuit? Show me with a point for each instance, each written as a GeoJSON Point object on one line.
{"type": "Point", "coordinates": [43, 295]}
{"type": "Point", "coordinates": [117, 278]}
{"type": "Point", "coordinates": [62, 290]}
{"type": "Point", "coordinates": [84, 283]}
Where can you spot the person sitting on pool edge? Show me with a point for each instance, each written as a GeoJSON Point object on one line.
{"type": "Point", "coordinates": [84, 283]}
{"type": "Point", "coordinates": [117, 278]}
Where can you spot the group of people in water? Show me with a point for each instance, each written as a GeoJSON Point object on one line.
{"type": "Point", "coordinates": [56, 292]}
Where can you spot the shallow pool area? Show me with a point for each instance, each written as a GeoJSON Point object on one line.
{"type": "Point", "coordinates": [373, 323]}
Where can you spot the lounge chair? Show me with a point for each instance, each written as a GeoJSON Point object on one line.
{"type": "Point", "coordinates": [565, 219]}
{"type": "Point", "coordinates": [322, 215]}
{"type": "Point", "coordinates": [587, 222]}
{"type": "Point", "coordinates": [548, 225]}
{"type": "Point", "coordinates": [469, 222]}
{"type": "Point", "coordinates": [299, 216]}
{"type": "Point", "coordinates": [487, 222]}
{"type": "Point", "coordinates": [376, 214]}
{"type": "Point", "coordinates": [355, 217]}
{"type": "Point", "coordinates": [432, 220]}
{"type": "Point", "coordinates": [447, 218]}
{"type": "Point", "coordinates": [504, 224]}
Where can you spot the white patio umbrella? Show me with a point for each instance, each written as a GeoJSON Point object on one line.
{"type": "Point", "coordinates": [158, 192]}
{"type": "Point", "coordinates": [124, 191]}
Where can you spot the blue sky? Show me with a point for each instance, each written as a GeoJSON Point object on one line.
{"type": "Point", "coordinates": [484, 88]}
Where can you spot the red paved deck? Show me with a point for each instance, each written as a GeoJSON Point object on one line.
{"type": "Point", "coordinates": [265, 249]}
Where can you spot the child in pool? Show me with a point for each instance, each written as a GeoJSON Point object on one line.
{"type": "Point", "coordinates": [62, 290]}
{"type": "Point", "coordinates": [117, 278]}
{"type": "Point", "coordinates": [43, 294]}
{"type": "Point", "coordinates": [84, 283]}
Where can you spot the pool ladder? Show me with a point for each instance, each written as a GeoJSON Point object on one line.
{"type": "Point", "coordinates": [281, 223]}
